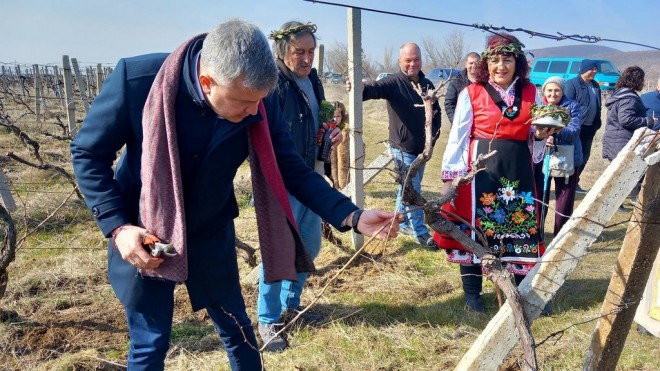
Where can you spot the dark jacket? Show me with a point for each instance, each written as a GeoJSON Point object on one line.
{"type": "Point", "coordinates": [210, 151]}
{"type": "Point", "coordinates": [578, 90]}
{"type": "Point", "coordinates": [651, 101]}
{"type": "Point", "coordinates": [456, 85]}
{"type": "Point", "coordinates": [571, 133]}
{"type": "Point", "coordinates": [406, 128]}
{"type": "Point", "coordinates": [625, 114]}
{"type": "Point", "coordinates": [297, 112]}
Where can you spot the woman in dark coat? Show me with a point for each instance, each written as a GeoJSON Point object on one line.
{"type": "Point", "coordinates": [625, 112]}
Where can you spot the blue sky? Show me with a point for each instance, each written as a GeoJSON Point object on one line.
{"type": "Point", "coordinates": [102, 31]}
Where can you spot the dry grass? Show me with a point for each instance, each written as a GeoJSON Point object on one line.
{"type": "Point", "coordinates": [398, 310]}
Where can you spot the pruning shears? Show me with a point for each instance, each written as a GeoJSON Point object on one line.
{"type": "Point", "coordinates": [156, 247]}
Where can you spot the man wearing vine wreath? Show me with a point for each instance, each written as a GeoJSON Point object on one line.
{"type": "Point", "coordinates": [299, 93]}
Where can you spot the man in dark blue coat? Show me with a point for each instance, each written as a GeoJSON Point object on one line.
{"type": "Point", "coordinates": [222, 79]}
{"type": "Point", "coordinates": [651, 101]}
{"type": "Point", "coordinates": [586, 91]}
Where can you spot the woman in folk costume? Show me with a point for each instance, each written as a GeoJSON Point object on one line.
{"type": "Point", "coordinates": [495, 114]}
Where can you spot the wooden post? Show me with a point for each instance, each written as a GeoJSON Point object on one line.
{"type": "Point", "coordinates": [37, 92]}
{"type": "Point", "coordinates": [318, 59]}
{"type": "Point", "coordinates": [99, 78]}
{"type": "Point", "coordinates": [68, 94]}
{"type": "Point", "coordinates": [91, 83]}
{"type": "Point", "coordinates": [21, 81]}
{"type": "Point", "coordinates": [355, 111]}
{"type": "Point", "coordinates": [562, 256]}
{"type": "Point", "coordinates": [631, 272]}
{"type": "Point", "coordinates": [81, 84]}
{"type": "Point", "coordinates": [5, 193]}
{"type": "Point", "coordinates": [5, 82]}
{"type": "Point", "coordinates": [57, 87]}
{"type": "Point", "coordinates": [88, 83]}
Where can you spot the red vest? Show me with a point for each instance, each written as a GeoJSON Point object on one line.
{"type": "Point", "coordinates": [487, 114]}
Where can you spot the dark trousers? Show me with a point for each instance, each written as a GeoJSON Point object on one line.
{"type": "Point", "coordinates": [587, 134]}
{"type": "Point", "coordinates": [564, 196]}
{"type": "Point", "coordinates": [471, 279]}
{"type": "Point", "coordinates": [150, 335]}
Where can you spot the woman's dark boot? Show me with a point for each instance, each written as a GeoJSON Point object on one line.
{"type": "Point", "coordinates": [471, 278]}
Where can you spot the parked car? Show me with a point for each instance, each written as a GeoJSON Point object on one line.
{"type": "Point", "coordinates": [382, 75]}
{"type": "Point", "coordinates": [337, 78]}
{"type": "Point", "coordinates": [333, 77]}
{"type": "Point", "coordinates": [568, 68]}
{"type": "Point", "coordinates": [438, 75]}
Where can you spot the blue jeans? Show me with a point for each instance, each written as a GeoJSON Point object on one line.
{"type": "Point", "coordinates": [276, 297]}
{"type": "Point", "coordinates": [150, 335]}
{"type": "Point", "coordinates": [413, 220]}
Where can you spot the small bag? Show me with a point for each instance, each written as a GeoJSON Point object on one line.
{"type": "Point", "coordinates": [561, 162]}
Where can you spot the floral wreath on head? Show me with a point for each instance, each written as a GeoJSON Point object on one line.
{"type": "Point", "coordinates": [513, 47]}
{"type": "Point", "coordinates": [280, 34]}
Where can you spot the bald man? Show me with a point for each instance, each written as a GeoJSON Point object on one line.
{"type": "Point", "coordinates": [406, 127]}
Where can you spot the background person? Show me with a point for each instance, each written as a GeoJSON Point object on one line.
{"type": "Point", "coordinates": [341, 155]}
{"type": "Point", "coordinates": [200, 106]}
{"type": "Point", "coordinates": [651, 101]}
{"type": "Point", "coordinates": [625, 112]}
{"type": "Point", "coordinates": [494, 114]}
{"type": "Point", "coordinates": [586, 91]}
{"type": "Point", "coordinates": [553, 93]}
{"type": "Point", "coordinates": [456, 85]}
{"type": "Point", "coordinates": [406, 128]}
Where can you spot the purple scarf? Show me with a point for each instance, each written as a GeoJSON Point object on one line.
{"type": "Point", "coordinates": [161, 198]}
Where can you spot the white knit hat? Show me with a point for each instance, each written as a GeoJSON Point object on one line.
{"type": "Point", "coordinates": [555, 80]}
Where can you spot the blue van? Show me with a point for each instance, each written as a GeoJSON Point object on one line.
{"type": "Point", "coordinates": [568, 68]}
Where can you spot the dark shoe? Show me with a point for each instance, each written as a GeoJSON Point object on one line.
{"type": "Point", "coordinates": [623, 209]}
{"type": "Point", "coordinates": [547, 309]}
{"type": "Point", "coordinates": [427, 241]}
{"type": "Point", "coordinates": [642, 331]}
{"type": "Point", "coordinates": [474, 302]}
{"type": "Point", "coordinates": [579, 189]}
{"type": "Point", "coordinates": [272, 341]}
{"type": "Point", "coordinates": [308, 318]}
{"type": "Point", "coordinates": [472, 283]}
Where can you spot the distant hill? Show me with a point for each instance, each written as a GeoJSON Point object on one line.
{"type": "Point", "coordinates": [649, 61]}
{"type": "Point", "coordinates": [577, 51]}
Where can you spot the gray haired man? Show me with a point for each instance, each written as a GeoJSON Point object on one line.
{"type": "Point", "coordinates": [299, 93]}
